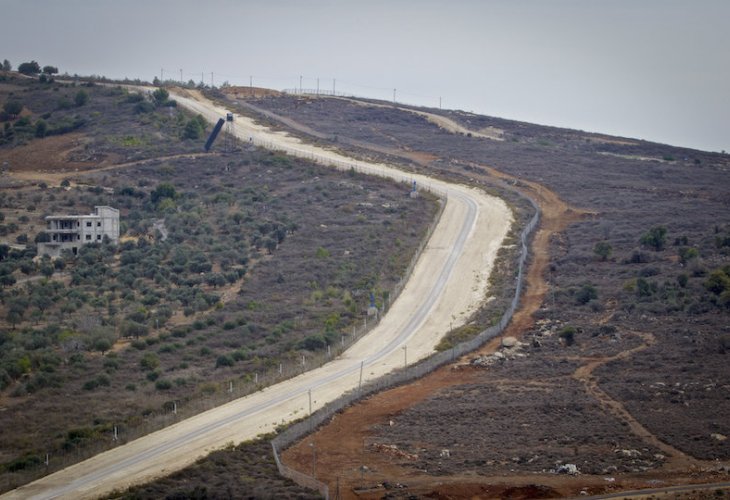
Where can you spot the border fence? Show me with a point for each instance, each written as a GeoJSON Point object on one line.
{"type": "Point", "coordinates": [412, 372]}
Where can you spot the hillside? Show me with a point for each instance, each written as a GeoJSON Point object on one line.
{"type": "Point", "coordinates": [622, 368]}
{"type": "Point", "coordinates": [204, 300]}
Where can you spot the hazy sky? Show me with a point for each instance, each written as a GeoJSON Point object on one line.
{"type": "Point", "coordinates": [652, 69]}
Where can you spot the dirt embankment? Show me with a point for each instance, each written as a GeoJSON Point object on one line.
{"type": "Point", "coordinates": [341, 445]}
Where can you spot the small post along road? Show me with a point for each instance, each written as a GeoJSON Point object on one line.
{"type": "Point", "coordinates": [449, 281]}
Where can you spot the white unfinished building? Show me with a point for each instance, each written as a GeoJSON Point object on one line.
{"type": "Point", "coordinates": [69, 232]}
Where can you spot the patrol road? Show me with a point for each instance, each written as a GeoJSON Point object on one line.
{"type": "Point", "coordinates": [448, 283]}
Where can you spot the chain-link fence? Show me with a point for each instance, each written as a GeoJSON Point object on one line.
{"type": "Point", "coordinates": [300, 429]}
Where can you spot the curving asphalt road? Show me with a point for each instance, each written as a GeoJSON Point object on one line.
{"type": "Point", "coordinates": [448, 283]}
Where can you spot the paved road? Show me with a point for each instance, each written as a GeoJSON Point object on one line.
{"type": "Point", "coordinates": [448, 283]}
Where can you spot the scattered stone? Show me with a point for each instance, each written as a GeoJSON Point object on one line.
{"type": "Point", "coordinates": [630, 453]}
{"type": "Point", "coordinates": [445, 453]}
{"type": "Point", "coordinates": [509, 342]}
{"type": "Point", "coordinates": [391, 449]}
{"type": "Point", "coordinates": [718, 437]}
{"type": "Point", "coordinates": [571, 469]}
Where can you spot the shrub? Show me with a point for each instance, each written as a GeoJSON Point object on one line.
{"type": "Point", "coordinates": [718, 282]}
{"type": "Point", "coordinates": [149, 361]}
{"type": "Point", "coordinates": [144, 107]}
{"type": "Point", "coordinates": [568, 335]}
{"type": "Point", "coordinates": [687, 253]}
{"type": "Point", "coordinates": [223, 361]}
{"type": "Point", "coordinates": [682, 280]}
{"type": "Point", "coordinates": [585, 294]}
{"type": "Point", "coordinates": [160, 96]}
{"type": "Point", "coordinates": [644, 288]}
{"type": "Point", "coordinates": [81, 98]}
{"type": "Point", "coordinates": [163, 385]}
{"type": "Point", "coordinates": [134, 98]}
{"type": "Point", "coordinates": [13, 107]}
{"type": "Point", "coordinates": [655, 238]}
{"type": "Point", "coordinates": [603, 250]}
{"type": "Point", "coordinates": [162, 191]}
{"type": "Point", "coordinates": [193, 130]}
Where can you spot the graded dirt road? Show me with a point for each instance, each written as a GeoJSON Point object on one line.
{"type": "Point", "coordinates": [448, 283]}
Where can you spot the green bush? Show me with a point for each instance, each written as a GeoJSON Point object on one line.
{"type": "Point", "coordinates": [223, 361]}
{"type": "Point", "coordinates": [193, 130]}
{"type": "Point", "coordinates": [144, 107]}
{"type": "Point", "coordinates": [163, 385]}
{"type": "Point", "coordinates": [568, 335]}
{"type": "Point", "coordinates": [13, 107]}
{"type": "Point", "coordinates": [603, 250]}
{"type": "Point", "coordinates": [149, 361]}
{"type": "Point", "coordinates": [585, 294]}
{"type": "Point", "coordinates": [718, 282]}
{"type": "Point", "coordinates": [81, 98]}
{"type": "Point", "coordinates": [160, 96]}
{"type": "Point", "coordinates": [655, 238]}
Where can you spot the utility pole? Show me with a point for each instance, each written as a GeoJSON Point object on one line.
{"type": "Point", "coordinates": [317, 86]}
{"type": "Point", "coordinates": [314, 459]}
{"type": "Point", "coordinates": [359, 385]}
{"type": "Point", "coordinates": [211, 79]}
{"type": "Point", "coordinates": [250, 82]}
{"type": "Point", "coordinates": [393, 95]}
{"type": "Point", "coordinates": [300, 84]}
{"type": "Point", "coordinates": [439, 102]}
{"type": "Point", "coordinates": [181, 76]}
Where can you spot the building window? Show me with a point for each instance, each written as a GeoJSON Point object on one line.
{"type": "Point", "coordinates": [98, 237]}
{"type": "Point", "coordinates": [98, 224]}
{"type": "Point", "coordinates": [88, 224]}
{"type": "Point", "coordinates": [88, 237]}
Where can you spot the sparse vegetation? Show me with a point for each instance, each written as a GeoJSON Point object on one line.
{"type": "Point", "coordinates": [220, 296]}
